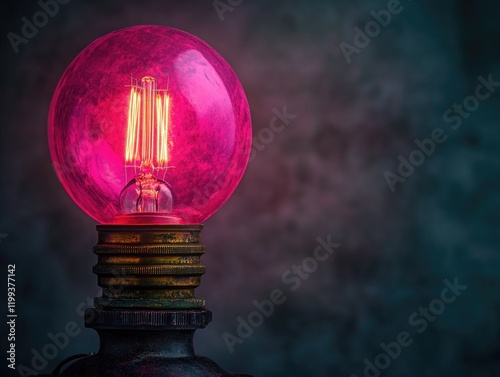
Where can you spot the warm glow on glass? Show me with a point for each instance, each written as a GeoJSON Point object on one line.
{"type": "Point", "coordinates": [149, 124]}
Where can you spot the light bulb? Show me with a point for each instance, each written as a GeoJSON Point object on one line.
{"type": "Point", "coordinates": [149, 124]}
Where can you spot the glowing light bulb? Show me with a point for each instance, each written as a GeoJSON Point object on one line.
{"type": "Point", "coordinates": [149, 124]}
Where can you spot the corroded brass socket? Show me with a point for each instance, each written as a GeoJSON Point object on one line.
{"type": "Point", "coordinates": [149, 267]}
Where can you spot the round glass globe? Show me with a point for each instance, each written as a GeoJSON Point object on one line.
{"type": "Point", "coordinates": [149, 124]}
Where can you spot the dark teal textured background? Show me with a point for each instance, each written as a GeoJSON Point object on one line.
{"type": "Point", "coordinates": [321, 175]}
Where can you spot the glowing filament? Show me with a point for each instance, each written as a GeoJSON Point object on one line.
{"type": "Point", "coordinates": [147, 128]}
{"type": "Point", "coordinates": [162, 107]}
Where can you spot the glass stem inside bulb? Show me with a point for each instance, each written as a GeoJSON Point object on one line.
{"type": "Point", "coordinates": [148, 189]}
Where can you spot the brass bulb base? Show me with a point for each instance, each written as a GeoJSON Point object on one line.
{"type": "Point", "coordinates": [149, 266]}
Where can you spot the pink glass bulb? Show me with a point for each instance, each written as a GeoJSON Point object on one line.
{"type": "Point", "coordinates": [149, 124]}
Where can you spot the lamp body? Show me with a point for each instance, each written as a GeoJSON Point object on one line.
{"type": "Point", "coordinates": [149, 133]}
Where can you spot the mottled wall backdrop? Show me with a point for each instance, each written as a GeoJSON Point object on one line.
{"type": "Point", "coordinates": [372, 206]}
